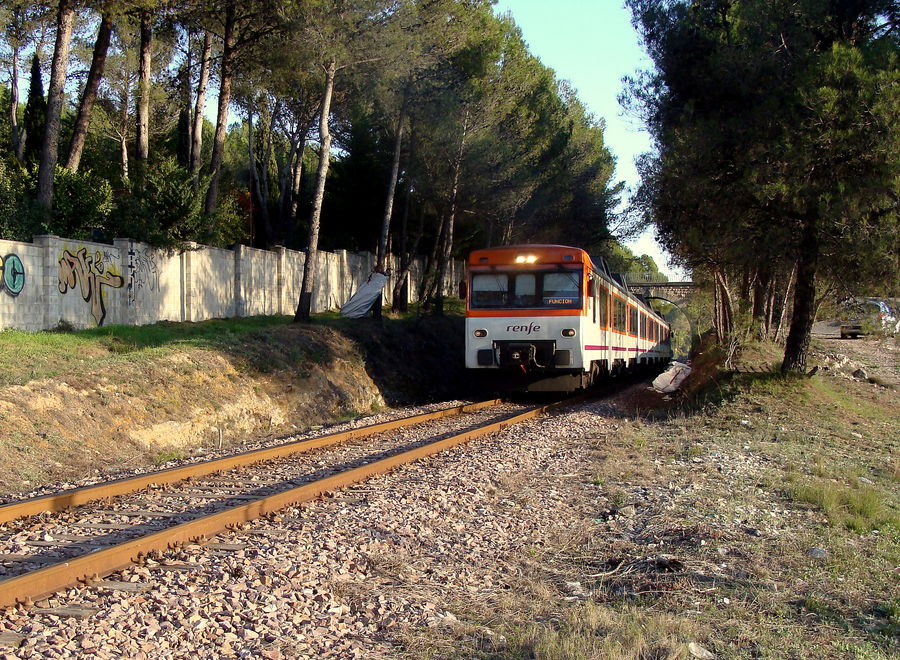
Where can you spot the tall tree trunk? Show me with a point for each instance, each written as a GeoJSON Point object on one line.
{"type": "Point", "coordinates": [185, 110]}
{"type": "Point", "coordinates": [761, 286]}
{"type": "Point", "coordinates": [142, 132]}
{"type": "Point", "coordinates": [304, 305]}
{"type": "Point", "coordinates": [769, 312]}
{"type": "Point", "coordinates": [123, 157]}
{"type": "Point", "coordinates": [225, 79]}
{"type": "Point", "coordinates": [427, 291]}
{"type": "Point", "coordinates": [264, 186]}
{"type": "Point", "coordinates": [292, 199]}
{"type": "Point", "coordinates": [381, 264]}
{"type": "Point", "coordinates": [725, 307]}
{"type": "Point", "coordinates": [797, 344]}
{"type": "Point", "coordinates": [261, 209]}
{"type": "Point", "coordinates": [123, 137]}
{"type": "Point", "coordinates": [297, 179]}
{"type": "Point", "coordinates": [400, 299]}
{"type": "Point", "coordinates": [782, 312]}
{"type": "Point", "coordinates": [86, 107]}
{"type": "Point", "coordinates": [197, 130]}
{"type": "Point", "coordinates": [447, 248]}
{"type": "Point", "coordinates": [18, 144]}
{"type": "Point", "coordinates": [50, 146]}
{"type": "Point", "coordinates": [285, 187]}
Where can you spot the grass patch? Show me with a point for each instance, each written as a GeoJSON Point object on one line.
{"type": "Point", "coordinates": [860, 509]}
{"type": "Point", "coordinates": [26, 356]}
{"type": "Point", "coordinates": [164, 456]}
{"type": "Point", "coordinates": [595, 632]}
{"type": "Point", "coordinates": [847, 402]}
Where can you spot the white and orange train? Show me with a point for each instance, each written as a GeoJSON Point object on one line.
{"type": "Point", "coordinates": [551, 318]}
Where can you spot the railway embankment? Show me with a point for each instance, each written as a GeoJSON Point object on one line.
{"type": "Point", "coordinates": [760, 520]}
{"type": "Point", "coordinates": [74, 404]}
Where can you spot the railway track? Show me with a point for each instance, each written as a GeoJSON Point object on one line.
{"type": "Point", "coordinates": [55, 541]}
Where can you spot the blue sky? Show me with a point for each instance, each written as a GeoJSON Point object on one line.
{"type": "Point", "coordinates": [591, 44]}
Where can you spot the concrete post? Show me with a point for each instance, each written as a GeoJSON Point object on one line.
{"type": "Point", "coordinates": [345, 278]}
{"type": "Point", "coordinates": [187, 284]}
{"type": "Point", "coordinates": [280, 263]}
{"type": "Point", "coordinates": [126, 249]}
{"type": "Point", "coordinates": [49, 279]}
{"type": "Point", "coordinates": [238, 277]}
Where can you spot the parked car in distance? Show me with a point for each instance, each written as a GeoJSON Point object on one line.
{"type": "Point", "coordinates": [863, 316]}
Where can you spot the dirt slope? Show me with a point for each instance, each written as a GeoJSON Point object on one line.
{"type": "Point", "coordinates": [164, 405]}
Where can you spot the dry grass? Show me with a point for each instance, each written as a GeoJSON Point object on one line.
{"type": "Point", "coordinates": [595, 632]}
{"type": "Point", "coordinates": [730, 496]}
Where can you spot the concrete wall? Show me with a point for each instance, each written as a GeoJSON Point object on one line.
{"type": "Point", "coordinates": [55, 281]}
{"type": "Point", "coordinates": [21, 286]}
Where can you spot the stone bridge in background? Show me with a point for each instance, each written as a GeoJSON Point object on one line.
{"type": "Point", "coordinates": [655, 285]}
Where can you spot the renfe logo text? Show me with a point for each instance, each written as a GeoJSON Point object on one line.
{"type": "Point", "coordinates": [527, 329]}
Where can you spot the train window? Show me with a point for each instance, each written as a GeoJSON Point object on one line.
{"type": "Point", "coordinates": [619, 315]}
{"type": "Point", "coordinates": [533, 289]}
{"type": "Point", "coordinates": [561, 289]}
{"type": "Point", "coordinates": [604, 307]}
{"type": "Point", "coordinates": [632, 320]}
{"type": "Point", "coordinates": [525, 292]}
{"type": "Point", "coordinates": [489, 289]}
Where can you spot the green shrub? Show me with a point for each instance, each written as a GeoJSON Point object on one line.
{"type": "Point", "coordinates": [82, 203]}
{"type": "Point", "coordinates": [14, 205]}
{"type": "Point", "coordinates": [228, 224]}
{"type": "Point", "coordinates": [166, 212]}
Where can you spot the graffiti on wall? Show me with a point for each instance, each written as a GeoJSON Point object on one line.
{"type": "Point", "coordinates": [12, 275]}
{"type": "Point", "coordinates": [142, 273]}
{"type": "Point", "coordinates": [91, 274]}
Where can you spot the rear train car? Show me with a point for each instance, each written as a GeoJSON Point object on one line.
{"type": "Point", "coordinates": [551, 318]}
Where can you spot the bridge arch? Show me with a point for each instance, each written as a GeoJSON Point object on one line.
{"type": "Point", "coordinates": [679, 305]}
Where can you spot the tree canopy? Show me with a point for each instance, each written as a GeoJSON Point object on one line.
{"type": "Point", "coordinates": [446, 132]}
{"type": "Point", "coordinates": [777, 157]}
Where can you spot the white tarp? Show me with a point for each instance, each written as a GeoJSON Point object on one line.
{"type": "Point", "coordinates": [671, 379]}
{"type": "Point", "coordinates": [361, 301]}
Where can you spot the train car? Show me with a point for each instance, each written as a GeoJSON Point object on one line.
{"type": "Point", "coordinates": [551, 318]}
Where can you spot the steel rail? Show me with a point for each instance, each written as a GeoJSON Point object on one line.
{"type": "Point", "coordinates": [51, 579]}
{"type": "Point", "coordinates": [65, 499]}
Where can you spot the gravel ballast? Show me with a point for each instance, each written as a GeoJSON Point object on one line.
{"type": "Point", "coordinates": [342, 577]}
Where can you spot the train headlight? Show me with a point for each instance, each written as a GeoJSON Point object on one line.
{"type": "Point", "coordinates": [526, 259]}
{"type": "Point", "coordinates": [480, 333]}
{"type": "Point", "coordinates": [568, 332]}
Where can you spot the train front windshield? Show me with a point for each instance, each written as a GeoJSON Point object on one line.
{"type": "Point", "coordinates": [556, 289]}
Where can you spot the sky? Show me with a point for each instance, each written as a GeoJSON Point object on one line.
{"type": "Point", "coordinates": [591, 44]}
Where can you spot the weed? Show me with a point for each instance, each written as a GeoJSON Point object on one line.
{"type": "Point", "coordinates": [693, 451]}
{"type": "Point", "coordinates": [860, 509]}
{"type": "Point", "coordinates": [164, 456]}
{"type": "Point", "coordinates": [855, 651]}
{"type": "Point", "coordinates": [347, 415]}
{"type": "Point", "coordinates": [890, 613]}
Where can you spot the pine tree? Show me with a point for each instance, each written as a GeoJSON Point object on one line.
{"type": "Point", "coordinates": [35, 114]}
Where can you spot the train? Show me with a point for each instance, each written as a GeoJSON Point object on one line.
{"type": "Point", "coordinates": [551, 318]}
